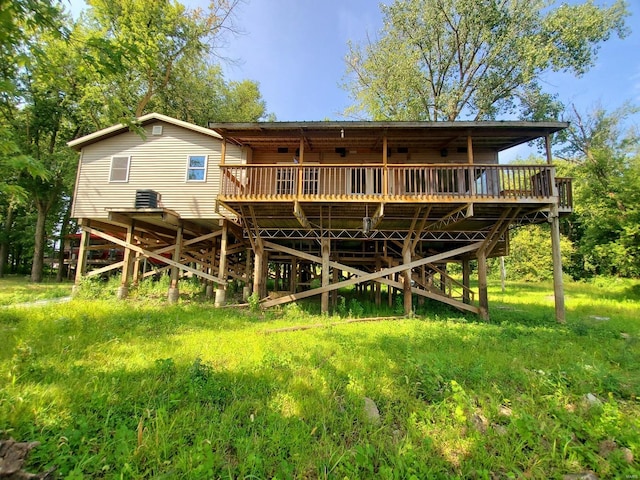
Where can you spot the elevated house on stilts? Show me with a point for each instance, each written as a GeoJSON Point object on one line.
{"type": "Point", "coordinates": [315, 206]}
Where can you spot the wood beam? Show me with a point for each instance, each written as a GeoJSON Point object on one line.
{"type": "Point", "coordinates": [153, 255]}
{"type": "Point", "coordinates": [374, 275]}
{"type": "Point", "coordinates": [558, 286]}
{"type": "Point", "coordinates": [377, 216]}
{"type": "Point", "coordinates": [326, 251]}
{"type": "Point", "coordinates": [85, 240]}
{"type": "Point", "coordinates": [102, 270]}
{"type": "Point", "coordinates": [298, 212]}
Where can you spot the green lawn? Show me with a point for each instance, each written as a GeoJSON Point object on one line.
{"type": "Point", "coordinates": [18, 289]}
{"type": "Point", "coordinates": [140, 389]}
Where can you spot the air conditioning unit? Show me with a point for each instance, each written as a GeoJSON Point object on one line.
{"type": "Point", "coordinates": [147, 199]}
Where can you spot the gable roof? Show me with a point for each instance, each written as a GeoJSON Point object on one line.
{"type": "Point", "coordinates": [78, 143]}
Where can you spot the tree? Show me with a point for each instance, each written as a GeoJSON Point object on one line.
{"type": "Point", "coordinates": [474, 59]}
{"type": "Point", "coordinates": [139, 45]}
{"type": "Point", "coordinates": [604, 158]}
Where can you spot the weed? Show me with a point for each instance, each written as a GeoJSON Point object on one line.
{"type": "Point", "coordinates": [143, 389]}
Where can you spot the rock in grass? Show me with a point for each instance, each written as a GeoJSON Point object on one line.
{"type": "Point", "coordinates": [606, 447]}
{"type": "Point", "coordinates": [627, 454]}
{"type": "Point", "coordinates": [12, 458]}
{"type": "Point", "coordinates": [371, 412]}
{"type": "Point", "coordinates": [480, 422]}
{"type": "Point", "coordinates": [590, 400]}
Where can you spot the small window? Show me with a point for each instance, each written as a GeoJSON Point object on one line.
{"type": "Point", "coordinates": [119, 169]}
{"type": "Point", "coordinates": [197, 168]}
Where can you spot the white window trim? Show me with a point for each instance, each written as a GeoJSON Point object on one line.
{"type": "Point", "coordinates": [206, 163]}
{"type": "Point", "coordinates": [111, 180]}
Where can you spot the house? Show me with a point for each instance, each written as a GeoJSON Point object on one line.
{"type": "Point", "coordinates": [316, 206]}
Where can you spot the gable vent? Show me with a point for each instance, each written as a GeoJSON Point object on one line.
{"type": "Point", "coordinates": [156, 130]}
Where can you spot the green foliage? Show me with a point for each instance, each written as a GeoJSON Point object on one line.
{"type": "Point", "coordinates": [529, 258]}
{"type": "Point", "coordinates": [254, 302]}
{"type": "Point", "coordinates": [604, 159]}
{"type": "Point", "coordinates": [449, 59]}
{"type": "Point", "coordinates": [134, 389]}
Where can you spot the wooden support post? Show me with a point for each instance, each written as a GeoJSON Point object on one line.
{"type": "Point", "coordinates": [423, 281]}
{"type": "Point", "coordinates": [378, 285]}
{"type": "Point", "coordinates": [483, 297]}
{"type": "Point", "coordinates": [326, 251]}
{"type": "Point", "coordinates": [294, 275]}
{"type": "Point", "coordinates": [385, 168]}
{"type": "Point", "coordinates": [258, 267]}
{"type": "Point", "coordinates": [81, 262]}
{"type": "Point", "coordinates": [127, 266]}
{"type": "Point", "coordinates": [265, 269]}
{"type": "Point", "coordinates": [334, 293]}
{"type": "Point", "coordinates": [558, 285]}
{"type": "Point", "coordinates": [276, 279]}
{"type": "Point", "coordinates": [136, 269]}
{"type": "Point", "coordinates": [503, 274]}
{"type": "Point", "coordinates": [406, 258]}
{"type": "Point", "coordinates": [466, 277]}
{"type": "Point", "coordinates": [246, 289]}
{"type": "Point", "coordinates": [174, 293]}
{"type": "Point", "coordinates": [221, 291]}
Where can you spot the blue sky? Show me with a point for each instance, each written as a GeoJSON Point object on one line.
{"type": "Point", "coordinates": [295, 50]}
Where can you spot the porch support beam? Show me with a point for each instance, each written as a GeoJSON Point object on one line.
{"type": "Point", "coordinates": [127, 265]}
{"type": "Point", "coordinates": [298, 212]}
{"type": "Point", "coordinates": [372, 276]}
{"type": "Point", "coordinates": [483, 297]}
{"type": "Point", "coordinates": [558, 285]}
{"type": "Point", "coordinates": [85, 240]}
{"type": "Point", "coordinates": [174, 292]}
{"type": "Point", "coordinates": [153, 255]}
{"type": "Point", "coordinates": [222, 270]}
{"type": "Point", "coordinates": [326, 251]}
{"type": "Point", "coordinates": [377, 216]}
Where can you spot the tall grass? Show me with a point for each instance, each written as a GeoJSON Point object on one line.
{"type": "Point", "coordinates": [142, 389]}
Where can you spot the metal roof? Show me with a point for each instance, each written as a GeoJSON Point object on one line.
{"type": "Point", "coordinates": [369, 135]}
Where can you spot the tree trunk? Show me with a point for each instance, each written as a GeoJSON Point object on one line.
{"type": "Point", "coordinates": [4, 241]}
{"type": "Point", "coordinates": [64, 230]}
{"type": "Point", "coordinates": [39, 245]}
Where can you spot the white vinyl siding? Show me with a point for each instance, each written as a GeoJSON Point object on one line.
{"type": "Point", "coordinates": [156, 163]}
{"type": "Point", "coordinates": [119, 171]}
{"type": "Point", "coordinates": [196, 168]}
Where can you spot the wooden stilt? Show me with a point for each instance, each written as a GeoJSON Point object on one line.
{"type": "Point", "coordinates": [174, 292]}
{"type": "Point", "coordinates": [248, 278]}
{"type": "Point", "coordinates": [378, 285]}
{"type": "Point", "coordinates": [258, 266]}
{"type": "Point", "coordinates": [127, 266]}
{"type": "Point", "coordinates": [81, 263]}
{"type": "Point", "coordinates": [221, 291]}
{"type": "Point", "coordinates": [265, 269]}
{"type": "Point", "coordinates": [558, 284]}
{"type": "Point", "coordinates": [406, 258]}
{"type": "Point", "coordinates": [276, 278]}
{"type": "Point", "coordinates": [294, 275]}
{"type": "Point", "coordinates": [326, 251]}
{"type": "Point", "coordinates": [334, 293]}
{"type": "Point", "coordinates": [483, 297]}
{"type": "Point", "coordinates": [466, 276]}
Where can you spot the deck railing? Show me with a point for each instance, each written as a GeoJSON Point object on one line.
{"type": "Point", "coordinates": [397, 182]}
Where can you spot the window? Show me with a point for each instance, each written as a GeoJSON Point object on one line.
{"type": "Point", "coordinates": [197, 168]}
{"type": "Point", "coordinates": [119, 169]}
